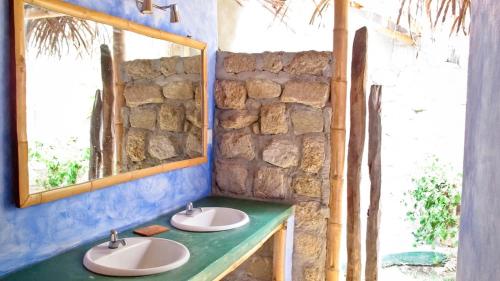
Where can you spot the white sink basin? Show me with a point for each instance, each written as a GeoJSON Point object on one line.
{"type": "Point", "coordinates": [210, 219]}
{"type": "Point", "coordinates": [141, 256]}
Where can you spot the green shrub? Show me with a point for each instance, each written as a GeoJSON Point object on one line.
{"type": "Point", "coordinates": [433, 205]}
{"type": "Point", "coordinates": [59, 172]}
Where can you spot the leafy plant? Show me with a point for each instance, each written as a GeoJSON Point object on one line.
{"type": "Point", "coordinates": [58, 172]}
{"type": "Point", "coordinates": [433, 204]}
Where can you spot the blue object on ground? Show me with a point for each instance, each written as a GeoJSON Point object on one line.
{"type": "Point", "coordinates": [422, 258]}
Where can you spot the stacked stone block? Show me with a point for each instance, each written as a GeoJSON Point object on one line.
{"type": "Point", "coordinates": [162, 116]}
{"type": "Point", "coordinates": [272, 143]}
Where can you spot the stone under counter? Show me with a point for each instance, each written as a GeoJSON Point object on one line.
{"type": "Point", "coordinates": [212, 253]}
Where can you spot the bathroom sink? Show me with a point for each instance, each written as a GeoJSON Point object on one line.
{"type": "Point", "coordinates": [210, 219]}
{"type": "Point", "coordinates": [140, 256]}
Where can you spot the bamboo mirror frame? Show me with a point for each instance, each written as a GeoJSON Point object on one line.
{"type": "Point", "coordinates": [26, 199]}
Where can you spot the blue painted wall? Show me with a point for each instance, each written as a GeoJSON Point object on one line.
{"type": "Point", "coordinates": [479, 245]}
{"type": "Point", "coordinates": [36, 233]}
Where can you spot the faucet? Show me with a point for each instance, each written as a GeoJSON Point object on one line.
{"type": "Point", "coordinates": [114, 242]}
{"type": "Point", "coordinates": [190, 209]}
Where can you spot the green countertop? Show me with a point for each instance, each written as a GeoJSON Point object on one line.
{"type": "Point", "coordinates": [211, 253]}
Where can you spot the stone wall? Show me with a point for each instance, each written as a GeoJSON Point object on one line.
{"type": "Point", "coordinates": [162, 114]}
{"type": "Point", "coordinates": [272, 134]}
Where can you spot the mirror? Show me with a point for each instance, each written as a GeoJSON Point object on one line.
{"type": "Point", "coordinates": [102, 100]}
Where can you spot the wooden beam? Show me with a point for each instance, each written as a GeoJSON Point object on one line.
{"type": "Point", "coordinates": [355, 154]}
{"type": "Point", "coordinates": [374, 165]}
{"type": "Point", "coordinates": [337, 138]}
{"type": "Point", "coordinates": [95, 160]}
{"type": "Point", "coordinates": [107, 110]}
{"type": "Point", "coordinates": [119, 100]}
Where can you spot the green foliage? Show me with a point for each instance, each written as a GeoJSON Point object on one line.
{"type": "Point", "coordinates": [58, 172]}
{"type": "Point", "coordinates": [433, 204]}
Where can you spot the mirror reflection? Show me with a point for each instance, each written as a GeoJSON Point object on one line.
{"type": "Point", "coordinates": [102, 101]}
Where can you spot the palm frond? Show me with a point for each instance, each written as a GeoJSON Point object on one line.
{"type": "Point", "coordinates": [442, 12]}
{"type": "Point", "coordinates": [436, 11]}
{"type": "Point", "coordinates": [56, 36]}
{"type": "Point", "coordinates": [318, 11]}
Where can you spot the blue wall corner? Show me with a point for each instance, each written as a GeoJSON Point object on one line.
{"type": "Point", "coordinates": [36, 233]}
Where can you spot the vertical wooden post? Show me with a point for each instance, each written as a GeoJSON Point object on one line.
{"type": "Point", "coordinates": [107, 110]}
{"type": "Point", "coordinates": [118, 59]}
{"type": "Point", "coordinates": [279, 254]}
{"type": "Point", "coordinates": [95, 138]}
{"type": "Point", "coordinates": [374, 165]}
{"type": "Point", "coordinates": [337, 138]}
{"type": "Point", "coordinates": [355, 154]}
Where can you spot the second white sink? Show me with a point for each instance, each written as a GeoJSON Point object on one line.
{"type": "Point", "coordinates": [209, 219]}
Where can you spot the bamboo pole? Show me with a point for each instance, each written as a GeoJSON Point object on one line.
{"type": "Point", "coordinates": [355, 154]}
{"type": "Point", "coordinates": [107, 110]}
{"type": "Point", "coordinates": [337, 138]}
{"type": "Point", "coordinates": [95, 138]}
{"type": "Point", "coordinates": [279, 249]}
{"type": "Point", "coordinates": [374, 165]}
{"type": "Point", "coordinates": [118, 59]}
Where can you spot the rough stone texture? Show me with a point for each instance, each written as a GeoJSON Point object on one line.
{"type": "Point", "coordinates": [161, 147]}
{"type": "Point", "coordinates": [253, 269]}
{"type": "Point", "coordinates": [136, 95]}
{"type": "Point", "coordinates": [287, 136]}
{"type": "Point", "coordinates": [164, 98]}
{"type": "Point", "coordinates": [256, 128]}
{"type": "Point", "coordinates": [270, 183]}
{"type": "Point", "coordinates": [259, 268]}
{"type": "Point", "coordinates": [168, 66]}
{"type": "Point", "coordinates": [237, 119]}
{"type": "Point", "coordinates": [198, 94]}
{"type": "Point", "coordinates": [194, 145]}
{"type": "Point", "coordinates": [179, 90]}
{"type": "Point", "coordinates": [312, 273]}
{"type": "Point", "coordinates": [263, 89]}
{"type": "Point", "coordinates": [140, 69]}
{"type": "Point", "coordinates": [305, 185]}
{"type": "Point", "coordinates": [308, 63]}
{"type": "Point", "coordinates": [253, 105]}
{"type": "Point", "coordinates": [231, 177]}
{"type": "Point", "coordinates": [144, 118]}
{"type": "Point", "coordinates": [310, 216]}
{"type": "Point", "coordinates": [273, 119]}
{"type": "Point", "coordinates": [136, 143]}
{"type": "Point", "coordinates": [230, 94]}
{"type": "Point", "coordinates": [313, 154]}
{"type": "Point", "coordinates": [307, 121]}
{"type": "Point", "coordinates": [194, 114]}
{"type": "Point", "coordinates": [281, 153]}
{"type": "Point", "coordinates": [236, 63]}
{"type": "Point", "coordinates": [237, 144]}
{"type": "Point", "coordinates": [171, 118]}
{"type": "Point", "coordinates": [273, 62]}
{"type": "Point", "coordinates": [307, 245]}
{"type": "Point", "coordinates": [314, 94]}
{"type": "Point", "coordinates": [192, 65]}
